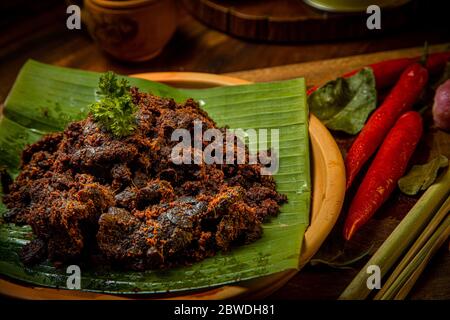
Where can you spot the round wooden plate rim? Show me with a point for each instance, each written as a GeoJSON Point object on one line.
{"type": "Point", "coordinates": [325, 155]}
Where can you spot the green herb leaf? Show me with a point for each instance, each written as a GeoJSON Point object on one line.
{"type": "Point", "coordinates": [116, 110]}
{"type": "Point", "coordinates": [345, 104]}
{"type": "Point", "coordinates": [341, 260]}
{"type": "Point", "coordinates": [420, 177]}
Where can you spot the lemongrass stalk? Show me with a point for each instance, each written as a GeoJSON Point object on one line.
{"type": "Point", "coordinates": [401, 238]}
{"type": "Point", "coordinates": [417, 246]}
{"type": "Point", "coordinates": [405, 280]}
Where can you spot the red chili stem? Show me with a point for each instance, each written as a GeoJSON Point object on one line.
{"type": "Point", "coordinates": [386, 169]}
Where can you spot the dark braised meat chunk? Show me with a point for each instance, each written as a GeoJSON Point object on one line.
{"type": "Point", "coordinates": [85, 193]}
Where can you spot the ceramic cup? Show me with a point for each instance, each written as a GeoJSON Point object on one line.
{"type": "Point", "coordinates": [130, 30]}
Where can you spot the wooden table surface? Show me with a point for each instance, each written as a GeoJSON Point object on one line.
{"type": "Point", "coordinates": [40, 34]}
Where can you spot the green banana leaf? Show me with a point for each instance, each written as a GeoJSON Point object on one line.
{"type": "Point", "coordinates": [45, 98]}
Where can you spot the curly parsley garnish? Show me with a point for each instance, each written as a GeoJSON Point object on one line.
{"type": "Point", "coordinates": [115, 111]}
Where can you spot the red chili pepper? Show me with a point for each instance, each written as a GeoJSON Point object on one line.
{"type": "Point", "coordinates": [387, 168]}
{"type": "Point", "coordinates": [387, 72]}
{"type": "Point", "coordinates": [311, 90]}
{"type": "Point", "coordinates": [402, 97]}
{"type": "Point", "coordinates": [436, 62]}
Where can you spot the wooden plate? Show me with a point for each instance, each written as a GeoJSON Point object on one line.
{"type": "Point", "coordinates": [295, 20]}
{"type": "Point", "coordinates": [328, 183]}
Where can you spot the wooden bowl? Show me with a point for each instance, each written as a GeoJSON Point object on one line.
{"type": "Point", "coordinates": [328, 188]}
{"type": "Point", "coordinates": [134, 30]}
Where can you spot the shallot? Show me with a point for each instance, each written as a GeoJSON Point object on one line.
{"type": "Point", "coordinates": [441, 106]}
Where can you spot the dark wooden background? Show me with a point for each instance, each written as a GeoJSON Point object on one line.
{"type": "Point", "coordinates": [36, 29]}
